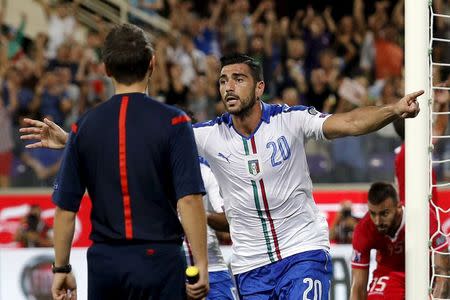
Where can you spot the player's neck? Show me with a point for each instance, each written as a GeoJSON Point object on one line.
{"type": "Point", "coordinates": [246, 124]}
{"type": "Point", "coordinates": [137, 87]}
{"type": "Point", "coordinates": [398, 223]}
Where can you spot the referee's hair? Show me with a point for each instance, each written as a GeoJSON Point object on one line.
{"type": "Point", "coordinates": [380, 191]}
{"type": "Point", "coordinates": [127, 53]}
{"type": "Point", "coordinates": [254, 65]}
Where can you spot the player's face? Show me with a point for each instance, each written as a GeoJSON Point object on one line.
{"type": "Point", "coordinates": [238, 89]}
{"type": "Point", "coordinates": [385, 215]}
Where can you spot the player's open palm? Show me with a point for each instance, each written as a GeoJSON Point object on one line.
{"type": "Point", "coordinates": [48, 134]}
{"type": "Point", "coordinates": [408, 106]}
{"type": "Point", "coordinates": [64, 287]}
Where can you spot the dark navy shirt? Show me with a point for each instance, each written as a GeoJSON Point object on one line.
{"type": "Point", "coordinates": [136, 157]}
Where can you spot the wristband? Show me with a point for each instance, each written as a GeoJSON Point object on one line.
{"type": "Point", "coordinates": [64, 269]}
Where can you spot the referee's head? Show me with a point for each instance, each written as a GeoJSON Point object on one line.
{"type": "Point", "coordinates": [128, 54]}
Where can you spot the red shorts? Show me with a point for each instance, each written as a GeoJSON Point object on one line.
{"type": "Point", "coordinates": [390, 287]}
{"type": "Point", "coordinates": [6, 159]}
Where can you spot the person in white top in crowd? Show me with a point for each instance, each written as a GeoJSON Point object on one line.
{"type": "Point", "coordinates": [61, 24]}
{"type": "Point", "coordinates": [256, 151]}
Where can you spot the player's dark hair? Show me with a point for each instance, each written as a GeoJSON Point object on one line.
{"type": "Point", "coordinates": [255, 66]}
{"type": "Point", "coordinates": [127, 53]}
{"type": "Point", "coordinates": [380, 191]}
{"type": "Point", "coordinates": [399, 126]}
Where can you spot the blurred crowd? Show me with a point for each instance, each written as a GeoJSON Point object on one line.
{"type": "Point", "coordinates": [332, 58]}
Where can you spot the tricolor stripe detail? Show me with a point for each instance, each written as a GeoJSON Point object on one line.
{"type": "Point", "coordinates": [272, 226]}
{"type": "Point", "coordinates": [180, 119]}
{"type": "Point", "coordinates": [263, 221]}
{"type": "Point", "coordinates": [123, 168]}
{"type": "Point", "coordinates": [266, 208]}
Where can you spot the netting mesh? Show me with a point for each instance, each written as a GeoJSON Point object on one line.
{"type": "Point", "coordinates": [439, 89]}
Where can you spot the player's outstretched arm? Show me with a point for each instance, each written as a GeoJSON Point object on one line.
{"type": "Point", "coordinates": [370, 118]}
{"type": "Point", "coordinates": [48, 134]}
{"type": "Point", "coordinates": [359, 284]}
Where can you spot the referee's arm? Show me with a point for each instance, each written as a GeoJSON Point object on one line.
{"type": "Point", "coordinates": [188, 184]}
{"type": "Point", "coordinates": [193, 219]}
{"type": "Point", "coordinates": [64, 228]}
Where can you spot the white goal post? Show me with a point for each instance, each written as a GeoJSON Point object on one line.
{"type": "Point", "coordinates": [417, 136]}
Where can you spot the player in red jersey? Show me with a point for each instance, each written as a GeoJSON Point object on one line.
{"type": "Point", "coordinates": [441, 98]}
{"type": "Point", "coordinates": [383, 229]}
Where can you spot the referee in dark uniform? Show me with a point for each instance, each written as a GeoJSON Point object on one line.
{"type": "Point", "coordinates": [138, 161]}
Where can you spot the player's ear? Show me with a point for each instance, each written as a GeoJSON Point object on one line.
{"type": "Point", "coordinates": [108, 73]}
{"type": "Point", "coordinates": [259, 89]}
{"type": "Point", "coordinates": [151, 65]}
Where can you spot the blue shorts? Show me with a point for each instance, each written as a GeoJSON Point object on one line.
{"type": "Point", "coordinates": [306, 275]}
{"type": "Point", "coordinates": [221, 286]}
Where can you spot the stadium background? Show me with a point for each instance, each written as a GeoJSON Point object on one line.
{"type": "Point", "coordinates": [332, 55]}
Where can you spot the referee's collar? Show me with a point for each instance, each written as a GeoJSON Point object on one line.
{"type": "Point", "coordinates": [265, 114]}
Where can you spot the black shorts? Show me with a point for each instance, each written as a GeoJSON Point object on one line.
{"type": "Point", "coordinates": [137, 272]}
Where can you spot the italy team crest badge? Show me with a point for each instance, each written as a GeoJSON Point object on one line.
{"type": "Point", "coordinates": [253, 167]}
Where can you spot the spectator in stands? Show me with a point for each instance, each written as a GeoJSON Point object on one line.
{"type": "Point", "coordinates": [33, 231]}
{"type": "Point", "coordinates": [348, 43]}
{"type": "Point", "coordinates": [204, 31]}
{"type": "Point", "coordinates": [341, 231]}
{"type": "Point", "coordinates": [6, 144]}
{"type": "Point", "coordinates": [51, 99]}
{"type": "Point", "coordinates": [8, 107]}
{"type": "Point", "coordinates": [311, 49]}
{"type": "Point", "coordinates": [151, 7]}
{"type": "Point", "coordinates": [15, 39]}
{"type": "Point", "coordinates": [61, 24]}
{"type": "Point", "coordinates": [317, 36]}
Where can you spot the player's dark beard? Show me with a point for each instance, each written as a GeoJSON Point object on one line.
{"type": "Point", "coordinates": [247, 106]}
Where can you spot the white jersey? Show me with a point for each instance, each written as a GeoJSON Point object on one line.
{"type": "Point", "coordinates": [266, 185]}
{"type": "Point", "coordinates": [212, 202]}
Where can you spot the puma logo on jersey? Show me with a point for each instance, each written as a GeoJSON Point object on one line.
{"type": "Point", "coordinates": [225, 157]}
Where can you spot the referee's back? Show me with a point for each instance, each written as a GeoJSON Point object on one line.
{"type": "Point", "coordinates": [132, 153]}
{"type": "Point", "coordinates": [138, 160]}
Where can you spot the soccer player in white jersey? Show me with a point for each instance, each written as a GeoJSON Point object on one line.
{"type": "Point", "coordinates": [221, 284]}
{"type": "Point", "coordinates": [256, 151]}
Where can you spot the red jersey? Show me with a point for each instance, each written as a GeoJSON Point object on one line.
{"type": "Point", "coordinates": [390, 251]}
{"type": "Point", "coordinates": [400, 175]}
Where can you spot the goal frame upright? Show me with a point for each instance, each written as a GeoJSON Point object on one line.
{"type": "Point", "coordinates": [417, 163]}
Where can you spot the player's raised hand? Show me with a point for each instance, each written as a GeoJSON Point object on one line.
{"type": "Point", "coordinates": [48, 134]}
{"type": "Point", "coordinates": [408, 106]}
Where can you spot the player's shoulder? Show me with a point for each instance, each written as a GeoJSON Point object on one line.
{"type": "Point", "coordinates": [223, 120]}
{"type": "Point", "coordinates": [364, 228]}
{"type": "Point", "coordinates": [273, 110]}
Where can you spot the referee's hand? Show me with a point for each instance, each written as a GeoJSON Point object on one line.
{"type": "Point", "coordinates": [64, 287]}
{"type": "Point", "coordinates": [199, 289]}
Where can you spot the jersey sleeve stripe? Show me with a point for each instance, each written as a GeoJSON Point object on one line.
{"type": "Point", "coordinates": [180, 119]}
{"type": "Point", "coordinates": [356, 265]}
{"type": "Point", "coordinates": [74, 128]}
